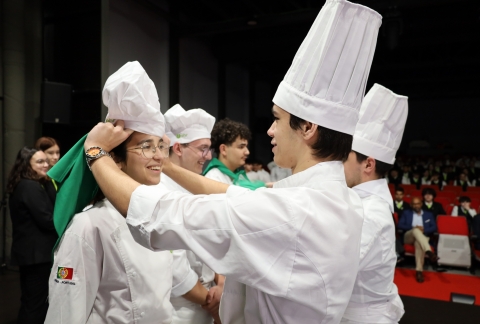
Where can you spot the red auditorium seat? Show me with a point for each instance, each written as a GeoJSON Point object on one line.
{"type": "Point", "coordinates": [416, 193]}
{"type": "Point", "coordinates": [457, 189]}
{"type": "Point", "coordinates": [395, 218]}
{"type": "Point", "coordinates": [408, 188]}
{"type": "Point", "coordinates": [448, 194]}
{"type": "Point", "coordinates": [431, 187]}
{"type": "Point", "coordinates": [452, 225]}
{"type": "Point", "coordinates": [448, 209]}
{"type": "Point", "coordinates": [407, 199]}
{"type": "Point", "coordinates": [473, 190]}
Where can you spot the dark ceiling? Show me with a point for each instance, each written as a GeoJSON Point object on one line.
{"type": "Point", "coordinates": [425, 48]}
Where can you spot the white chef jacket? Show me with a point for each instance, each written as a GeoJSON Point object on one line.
{"type": "Point", "coordinates": [264, 176]}
{"type": "Point", "coordinates": [115, 280]}
{"type": "Point", "coordinates": [187, 312]}
{"type": "Point", "coordinates": [296, 246]}
{"type": "Point", "coordinates": [217, 175]}
{"type": "Point", "coordinates": [232, 304]}
{"type": "Point", "coordinates": [375, 297]}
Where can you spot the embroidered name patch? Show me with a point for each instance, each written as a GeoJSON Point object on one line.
{"type": "Point", "coordinates": [65, 273]}
{"type": "Point", "coordinates": [181, 135]}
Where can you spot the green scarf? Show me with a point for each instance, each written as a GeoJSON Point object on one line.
{"type": "Point", "coordinates": [76, 187]}
{"type": "Point", "coordinates": [239, 177]}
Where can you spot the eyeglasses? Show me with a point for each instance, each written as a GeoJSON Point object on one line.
{"type": "Point", "coordinates": [204, 151]}
{"type": "Point", "coordinates": [42, 161]}
{"type": "Point", "coordinates": [150, 150]}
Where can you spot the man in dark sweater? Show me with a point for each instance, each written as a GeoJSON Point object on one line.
{"type": "Point", "coordinates": [434, 207]}
{"type": "Point", "coordinates": [399, 205]}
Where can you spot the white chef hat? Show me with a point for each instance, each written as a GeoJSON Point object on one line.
{"type": "Point", "coordinates": [381, 124]}
{"type": "Point", "coordinates": [131, 96]}
{"type": "Point", "coordinates": [326, 82]}
{"type": "Point", "coordinates": [187, 126]}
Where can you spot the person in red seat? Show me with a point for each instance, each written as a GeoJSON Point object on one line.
{"type": "Point", "coordinates": [399, 205]}
{"type": "Point", "coordinates": [463, 181]}
{"type": "Point", "coordinates": [464, 210]}
{"type": "Point", "coordinates": [434, 207]}
{"type": "Point", "coordinates": [436, 181]}
{"type": "Point", "coordinates": [418, 226]}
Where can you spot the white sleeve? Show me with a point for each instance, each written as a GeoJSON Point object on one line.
{"type": "Point", "coordinates": [455, 211]}
{"type": "Point", "coordinates": [230, 232]}
{"type": "Point", "coordinates": [71, 300]}
{"type": "Point", "coordinates": [472, 212]}
{"type": "Point", "coordinates": [455, 182]}
{"type": "Point", "coordinates": [184, 278]}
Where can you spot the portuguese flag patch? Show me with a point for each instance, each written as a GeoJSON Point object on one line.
{"type": "Point", "coordinates": [65, 273]}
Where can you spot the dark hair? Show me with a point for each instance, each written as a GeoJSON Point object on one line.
{"type": "Point", "coordinates": [400, 189]}
{"type": "Point", "coordinates": [380, 167]}
{"type": "Point", "coordinates": [120, 156]}
{"type": "Point", "coordinates": [226, 131]}
{"type": "Point", "coordinates": [464, 199]}
{"type": "Point", "coordinates": [329, 144]}
{"type": "Point", "coordinates": [45, 142]}
{"type": "Point", "coordinates": [22, 168]}
{"type": "Point", "coordinates": [429, 191]}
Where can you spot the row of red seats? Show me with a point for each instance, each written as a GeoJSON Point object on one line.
{"type": "Point", "coordinates": [446, 225]}
{"type": "Point", "coordinates": [456, 189]}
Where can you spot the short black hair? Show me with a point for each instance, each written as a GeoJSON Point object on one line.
{"type": "Point", "coordinates": [464, 199]}
{"type": "Point", "coordinates": [429, 191]}
{"type": "Point", "coordinates": [380, 167]}
{"type": "Point", "coordinates": [226, 131]}
{"type": "Point", "coordinates": [400, 189]}
{"type": "Point", "coordinates": [329, 144]}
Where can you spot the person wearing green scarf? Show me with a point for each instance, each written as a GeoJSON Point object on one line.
{"type": "Point", "coordinates": [230, 142]}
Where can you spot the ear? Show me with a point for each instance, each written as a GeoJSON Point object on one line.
{"type": "Point", "coordinates": [369, 165]}
{"type": "Point", "coordinates": [177, 149]}
{"type": "Point", "coordinates": [223, 149]}
{"type": "Point", "coordinates": [309, 130]}
{"type": "Point", "coordinates": [117, 160]}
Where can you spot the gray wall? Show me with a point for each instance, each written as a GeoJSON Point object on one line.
{"type": "Point", "coordinates": [137, 34]}
{"type": "Point", "coordinates": [198, 76]}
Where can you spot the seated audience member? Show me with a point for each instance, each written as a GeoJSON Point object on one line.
{"type": "Point", "coordinates": [462, 181]}
{"type": "Point", "coordinates": [406, 174]}
{"type": "Point", "coordinates": [394, 178]}
{"type": "Point", "coordinates": [426, 177]}
{"type": "Point", "coordinates": [435, 181]}
{"type": "Point", "coordinates": [418, 226]}
{"type": "Point", "coordinates": [416, 180]}
{"type": "Point", "coordinates": [399, 205]}
{"type": "Point", "coordinates": [434, 207]}
{"type": "Point", "coordinates": [248, 167]}
{"type": "Point", "coordinates": [277, 173]}
{"type": "Point", "coordinates": [263, 175]}
{"type": "Point", "coordinates": [464, 210]}
{"type": "Point", "coordinates": [446, 175]}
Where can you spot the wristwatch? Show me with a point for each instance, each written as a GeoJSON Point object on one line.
{"type": "Point", "coordinates": [94, 153]}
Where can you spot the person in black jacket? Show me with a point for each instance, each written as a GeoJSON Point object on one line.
{"type": "Point", "coordinates": [434, 207]}
{"type": "Point", "coordinates": [398, 204]}
{"type": "Point", "coordinates": [31, 204]}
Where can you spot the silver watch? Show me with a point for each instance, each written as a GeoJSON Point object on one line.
{"type": "Point", "coordinates": [94, 153]}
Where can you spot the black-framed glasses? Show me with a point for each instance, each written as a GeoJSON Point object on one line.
{"type": "Point", "coordinates": [149, 150]}
{"type": "Point", "coordinates": [204, 150]}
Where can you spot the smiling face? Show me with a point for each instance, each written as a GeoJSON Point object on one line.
{"type": "Point", "coordinates": [140, 168]}
{"type": "Point", "coordinates": [191, 155]}
{"type": "Point", "coordinates": [53, 154]}
{"type": "Point", "coordinates": [285, 140]}
{"type": "Point", "coordinates": [39, 164]}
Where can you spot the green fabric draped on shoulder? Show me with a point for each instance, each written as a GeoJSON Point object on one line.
{"type": "Point", "coordinates": [76, 187]}
{"type": "Point", "coordinates": [239, 178]}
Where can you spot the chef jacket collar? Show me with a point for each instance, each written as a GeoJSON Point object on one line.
{"type": "Point", "coordinates": [323, 171]}
{"type": "Point", "coordinates": [377, 188]}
